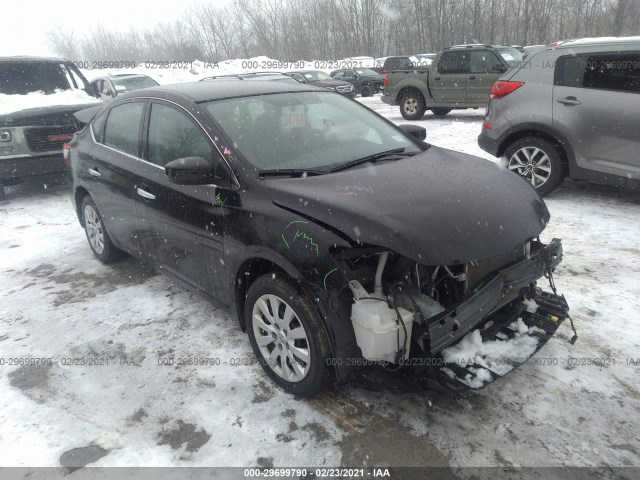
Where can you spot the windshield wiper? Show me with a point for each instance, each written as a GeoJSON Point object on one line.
{"type": "Point", "coordinates": [396, 152]}
{"type": "Point", "coordinates": [293, 172]}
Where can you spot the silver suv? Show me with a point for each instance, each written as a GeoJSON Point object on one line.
{"type": "Point", "coordinates": [569, 111]}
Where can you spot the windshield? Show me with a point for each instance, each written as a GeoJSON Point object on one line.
{"type": "Point", "coordinates": [511, 55]}
{"type": "Point", "coordinates": [20, 78]}
{"type": "Point", "coordinates": [134, 83]}
{"type": "Point", "coordinates": [365, 71]}
{"type": "Point", "coordinates": [315, 76]}
{"type": "Point", "coordinates": [305, 130]}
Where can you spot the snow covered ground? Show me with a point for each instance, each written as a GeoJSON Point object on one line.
{"type": "Point", "coordinates": [57, 301]}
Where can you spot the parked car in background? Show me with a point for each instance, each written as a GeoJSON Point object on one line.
{"type": "Point", "coordinates": [38, 96]}
{"type": "Point", "coordinates": [254, 76]}
{"type": "Point", "coordinates": [407, 62]}
{"type": "Point", "coordinates": [110, 86]}
{"type": "Point", "coordinates": [365, 81]}
{"type": "Point", "coordinates": [570, 111]}
{"type": "Point", "coordinates": [460, 77]}
{"type": "Point", "coordinates": [424, 59]}
{"type": "Point", "coordinates": [529, 49]}
{"type": "Point", "coordinates": [321, 79]}
{"type": "Point", "coordinates": [392, 63]}
{"type": "Point", "coordinates": [304, 213]}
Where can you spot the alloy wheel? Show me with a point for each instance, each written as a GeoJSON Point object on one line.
{"type": "Point", "coordinates": [93, 226]}
{"type": "Point", "coordinates": [531, 163]}
{"type": "Point", "coordinates": [281, 338]}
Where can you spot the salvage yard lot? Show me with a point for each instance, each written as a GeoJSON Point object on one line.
{"type": "Point", "coordinates": [146, 404]}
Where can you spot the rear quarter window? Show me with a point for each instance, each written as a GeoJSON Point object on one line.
{"type": "Point", "coordinates": [603, 71]}
{"type": "Point", "coordinates": [97, 127]}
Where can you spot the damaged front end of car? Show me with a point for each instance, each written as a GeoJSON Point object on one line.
{"type": "Point", "coordinates": [453, 326]}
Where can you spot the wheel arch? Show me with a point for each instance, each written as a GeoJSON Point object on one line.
{"type": "Point", "coordinates": [541, 131]}
{"type": "Point", "coordinates": [79, 195]}
{"type": "Point", "coordinates": [253, 267]}
{"type": "Point", "coordinates": [407, 89]}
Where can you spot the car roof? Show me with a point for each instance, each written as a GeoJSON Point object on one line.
{"type": "Point", "coordinates": [27, 58]}
{"type": "Point", "coordinates": [128, 75]}
{"type": "Point", "coordinates": [244, 76]}
{"type": "Point", "coordinates": [599, 41]}
{"type": "Point", "coordinates": [221, 89]}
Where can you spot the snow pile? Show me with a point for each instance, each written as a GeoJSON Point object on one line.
{"type": "Point", "coordinates": [16, 103]}
{"type": "Point", "coordinates": [531, 305]}
{"type": "Point", "coordinates": [499, 356]}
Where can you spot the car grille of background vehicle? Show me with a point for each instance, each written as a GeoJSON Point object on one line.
{"type": "Point", "coordinates": [42, 139]}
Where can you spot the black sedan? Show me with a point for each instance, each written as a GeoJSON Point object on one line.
{"type": "Point", "coordinates": [339, 240]}
{"type": "Point", "coordinates": [321, 79]}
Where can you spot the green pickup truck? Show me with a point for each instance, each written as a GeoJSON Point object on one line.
{"type": "Point", "coordinates": [460, 77]}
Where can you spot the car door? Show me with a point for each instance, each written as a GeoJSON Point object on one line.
{"type": "Point", "coordinates": [181, 226]}
{"type": "Point", "coordinates": [111, 166]}
{"type": "Point", "coordinates": [597, 107]}
{"type": "Point", "coordinates": [485, 69]}
{"type": "Point", "coordinates": [448, 82]}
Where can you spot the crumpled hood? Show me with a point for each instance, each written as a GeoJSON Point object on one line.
{"type": "Point", "coordinates": [439, 208]}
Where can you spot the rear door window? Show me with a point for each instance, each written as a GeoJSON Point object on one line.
{"type": "Point", "coordinates": [123, 128]}
{"type": "Point", "coordinates": [603, 71]}
{"type": "Point", "coordinates": [454, 62]}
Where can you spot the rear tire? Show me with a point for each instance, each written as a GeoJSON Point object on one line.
{"type": "Point", "coordinates": [537, 161]}
{"type": "Point", "coordinates": [287, 336]}
{"type": "Point", "coordinates": [412, 106]}
{"type": "Point", "coordinates": [97, 235]}
{"type": "Point", "coordinates": [2, 196]}
{"type": "Point", "coordinates": [440, 112]}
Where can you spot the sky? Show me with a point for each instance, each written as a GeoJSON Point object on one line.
{"type": "Point", "coordinates": [32, 19]}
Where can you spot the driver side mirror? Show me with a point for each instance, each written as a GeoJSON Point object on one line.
{"type": "Point", "coordinates": [195, 171]}
{"type": "Point", "coordinates": [500, 68]}
{"type": "Point", "coordinates": [415, 131]}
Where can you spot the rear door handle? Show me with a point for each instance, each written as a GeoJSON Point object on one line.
{"type": "Point", "coordinates": [145, 194]}
{"type": "Point", "coordinates": [472, 77]}
{"type": "Point", "coordinates": [569, 101]}
{"type": "Point", "coordinates": [95, 172]}
{"type": "Point", "coordinates": [436, 78]}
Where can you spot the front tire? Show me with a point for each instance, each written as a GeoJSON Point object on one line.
{"type": "Point", "coordinates": [97, 235]}
{"type": "Point", "coordinates": [412, 106]}
{"type": "Point", "coordinates": [287, 336]}
{"type": "Point", "coordinates": [538, 162]}
{"type": "Point", "coordinates": [366, 90]}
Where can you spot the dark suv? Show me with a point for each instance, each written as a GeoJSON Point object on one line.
{"type": "Point", "coordinates": [569, 111]}
{"type": "Point", "coordinates": [365, 81]}
{"type": "Point", "coordinates": [33, 128]}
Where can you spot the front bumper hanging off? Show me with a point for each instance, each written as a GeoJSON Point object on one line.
{"type": "Point", "coordinates": [445, 330]}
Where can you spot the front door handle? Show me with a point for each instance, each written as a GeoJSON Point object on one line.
{"type": "Point", "coordinates": [95, 172]}
{"type": "Point", "coordinates": [472, 77]}
{"type": "Point", "coordinates": [436, 78]}
{"type": "Point", "coordinates": [569, 101]}
{"type": "Point", "coordinates": [145, 194]}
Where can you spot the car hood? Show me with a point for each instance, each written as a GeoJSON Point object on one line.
{"type": "Point", "coordinates": [439, 208]}
{"type": "Point", "coordinates": [54, 115]}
